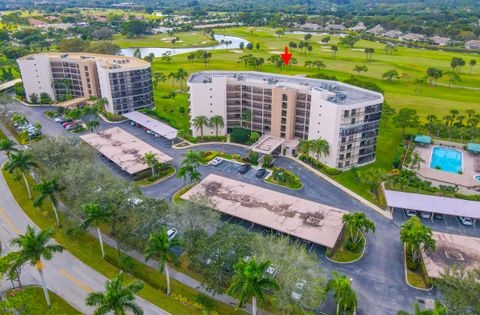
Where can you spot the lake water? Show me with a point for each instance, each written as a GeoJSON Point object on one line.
{"type": "Point", "coordinates": [177, 51]}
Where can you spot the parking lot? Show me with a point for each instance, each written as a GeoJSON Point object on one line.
{"type": "Point", "coordinates": [233, 168]}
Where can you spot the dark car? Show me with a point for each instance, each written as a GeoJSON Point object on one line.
{"type": "Point", "coordinates": [260, 173]}
{"type": "Point", "coordinates": [438, 216]}
{"type": "Point", "coordinates": [244, 168]}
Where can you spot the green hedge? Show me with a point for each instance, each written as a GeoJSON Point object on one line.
{"type": "Point", "coordinates": [240, 135]}
{"type": "Point", "coordinates": [212, 139]}
{"type": "Point", "coordinates": [319, 166]}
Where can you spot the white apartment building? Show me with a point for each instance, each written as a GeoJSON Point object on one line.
{"type": "Point", "coordinates": [286, 109]}
{"type": "Point", "coordinates": [125, 82]}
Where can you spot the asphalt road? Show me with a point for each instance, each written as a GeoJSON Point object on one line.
{"type": "Point", "coordinates": [378, 277]}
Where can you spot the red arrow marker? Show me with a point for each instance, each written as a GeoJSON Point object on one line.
{"type": "Point", "coordinates": [286, 56]}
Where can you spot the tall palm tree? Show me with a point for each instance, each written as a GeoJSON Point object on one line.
{"type": "Point", "coordinates": [415, 236]}
{"type": "Point", "coordinates": [93, 214]}
{"type": "Point", "coordinates": [174, 77]}
{"type": "Point", "coordinates": [35, 247]}
{"type": "Point", "coordinates": [8, 146]}
{"type": "Point", "coordinates": [199, 122]}
{"type": "Point", "coordinates": [93, 124]}
{"type": "Point", "coordinates": [305, 146]}
{"type": "Point", "coordinates": [22, 161]}
{"type": "Point", "coordinates": [117, 298]}
{"type": "Point", "coordinates": [159, 245]}
{"type": "Point", "coordinates": [158, 77]}
{"type": "Point", "coordinates": [189, 166]}
{"type": "Point", "coordinates": [320, 147]}
{"type": "Point", "coordinates": [343, 292]}
{"type": "Point", "coordinates": [151, 160]}
{"type": "Point", "coordinates": [417, 160]}
{"type": "Point", "coordinates": [48, 190]}
{"type": "Point", "coordinates": [217, 122]}
{"type": "Point", "coordinates": [250, 281]}
{"type": "Point", "coordinates": [181, 76]}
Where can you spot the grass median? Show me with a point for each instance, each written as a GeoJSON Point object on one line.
{"type": "Point", "coordinates": [86, 248]}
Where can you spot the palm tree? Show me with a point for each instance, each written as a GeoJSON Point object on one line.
{"type": "Point", "coordinates": [116, 298]}
{"type": "Point", "coordinates": [159, 245]}
{"type": "Point", "coordinates": [438, 309]}
{"type": "Point", "coordinates": [48, 190]}
{"type": "Point", "coordinates": [305, 146]}
{"type": "Point", "coordinates": [358, 222]}
{"type": "Point", "coordinates": [343, 292]}
{"type": "Point", "coordinates": [181, 76]}
{"type": "Point", "coordinates": [199, 122]}
{"type": "Point", "coordinates": [151, 160]}
{"type": "Point", "coordinates": [173, 76]}
{"type": "Point", "coordinates": [334, 50]}
{"type": "Point", "coordinates": [250, 281]}
{"type": "Point", "coordinates": [22, 161]}
{"type": "Point", "coordinates": [414, 235]}
{"type": "Point", "coordinates": [417, 160]}
{"type": "Point", "coordinates": [158, 77]}
{"type": "Point", "coordinates": [93, 124]}
{"type": "Point", "coordinates": [320, 147]}
{"type": "Point", "coordinates": [188, 166]}
{"type": "Point", "coordinates": [93, 214]}
{"type": "Point", "coordinates": [246, 116]}
{"type": "Point", "coordinates": [8, 146]}
{"type": "Point", "coordinates": [217, 122]}
{"type": "Point", "coordinates": [33, 248]}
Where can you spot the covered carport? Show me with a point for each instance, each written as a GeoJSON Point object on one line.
{"type": "Point", "coordinates": [398, 200]}
{"type": "Point", "coordinates": [156, 126]}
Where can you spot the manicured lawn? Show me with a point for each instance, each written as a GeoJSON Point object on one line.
{"type": "Point", "coordinates": [295, 186]}
{"type": "Point", "coordinates": [417, 277]}
{"type": "Point", "coordinates": [2, 134]}
{"type": "Point", "coordinates": [341, 253]}
{"type": "Point", "coordinates": [158, 178]}
{"type": "Point", "coordinates": [86, 248]}
{"type": "Point", "coordinates": [177, 196]}
{"type": "Point", "coordinates": [186, 39]}
{"type": "Point", "coordinates": [57, 302]}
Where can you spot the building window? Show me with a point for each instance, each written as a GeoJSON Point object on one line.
{"type": "Point", "coordinates": [353, 120]}
{"type": "Point", "coordinates": [349, 147]}
{"type": "Point", "coordinates": [346, 113]}
{"type": "Point", "coordinates": [348, 155]}
{"type": "Point", "coordinates": [340, 165]}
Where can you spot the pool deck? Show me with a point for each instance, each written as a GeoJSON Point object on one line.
{"type": "Point", "coordinates": [467, 179]}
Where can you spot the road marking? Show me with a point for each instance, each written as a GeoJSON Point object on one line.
{"type": "Point", "coordinates": [5, 217]}
{"type": "Point", "coordinates": [78, 283]}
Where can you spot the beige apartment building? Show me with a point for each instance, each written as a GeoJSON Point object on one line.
{"type": "Point", "coordinates": [286, 109]}
{"type": "Point", "coordinates": [125, 82]}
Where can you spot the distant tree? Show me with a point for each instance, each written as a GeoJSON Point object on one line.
{"type": "Point", "coordinates": [452, 77]}
{"type": "Point", "coordinates": [103, 33]}
{"type": "Point", "coordinates": [137, 53]}
{"type": "Point", "coordinates": [257, 46]}
{"type": "Point", "coordinates": [48, 190]}
{"type": "Point", "coordinates": [104, 47]}
{"type": "Point", "coordinates": [158, 77]}
{"type": "Point", "coordinates": [292, 45]}
{"type": "Point", "coordinates": [334, 49]}
{"type": "Point", "coordinates": [8, 146]}
{"type": "Point", "coordinates": [360, 68]}
{"type": "Point", "coordinates": [434, 74]}
{"type": "Point", "coordinates": [22, 161]}
{"type": "Point", "coordinates": [133, 28]}
{"type": "Point", "coordinates": [349, 40]}
{"type": "Point", "coordinates": [369, 53]}
{"type": "Point", "coordinates": [93, 214]}
{"type": "Point", "coordinates": [391, 74]}
{"type": "Point", "coordinates": [472, 64]}
{"type": "Point", "coordinates": [456, 64]}
{"type": "Point", "coordinates": [406, 118]}
{"type": "Point", "coordinates": [325, 39]}
{"type": "Point", "coordinates": [241, 45]}
{"type": "Point", "coordinates": [280, 33]}
{"type": "Point", "coordinates": [249, 46]}
{"type": "Point", "coordinates": [73, 45]}
{"type": "Point", "coordinates": [389, 48]}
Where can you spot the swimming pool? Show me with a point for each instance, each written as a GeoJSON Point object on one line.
{"type": "Point", "coordinates": [446, 159]}
{"type": "Point", "coordinates": [477, 178]}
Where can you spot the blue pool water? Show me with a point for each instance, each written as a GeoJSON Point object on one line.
{"type": "Point", "coordinates": [449, 160]}
{"type": "Point", "coordinates": [477, 178]}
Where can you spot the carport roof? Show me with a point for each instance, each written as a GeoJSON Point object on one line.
{"type": "Point", "coordinates": [305, 219]}
{"type": "Point", "coordinates": [154, 125]}
{"type": "Point", "coordinates": [435, 204]}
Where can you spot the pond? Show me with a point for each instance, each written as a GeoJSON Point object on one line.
{"type": "Point", "coordinates": [177, 51]}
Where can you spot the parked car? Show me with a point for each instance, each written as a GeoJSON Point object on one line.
{"type": "Point", "coordinates": [410, 213]}
{"type": "Point", "coordinates": [67, 123]}
{"type": "Point", "coordinates": [466, 221]}
{"type": "Point", "coordinates": [271, 271]}
{"type": "Point", "coordinates": [438, 216]}
{"type": "Point", "coordinates": [132, 123]}
{"type": "Point", "coordinates": [216, 161]}
{"type": "Point", "coordinates": [59, 120]}
{"type": "Point", "coordinates": [244, 168]}
{"type": "Point", "coordinates": [171, 233]}
{"type": "Point", "coordinates": [297, 292]}
{"type": "Point", "coordinates": [260, 173]}
{"type": "Point", "coordinates": [425, 215]}
{"type": "Point", "coordinates": [71, 127]}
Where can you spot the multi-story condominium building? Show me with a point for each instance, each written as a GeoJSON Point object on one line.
{"type": "Point", "coordinates": [125, 82]}
{"type": "Point", "coordinates": [286, 109]}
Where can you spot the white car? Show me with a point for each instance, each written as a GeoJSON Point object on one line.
{"type": "Point", "coordinates": [297, 292]}
{"type": "Point", "coordinates": [58, 120]}
{"type": "Point", "coordinates": [425, 215]}
{"type": "Point", "coordinates": [171, 233]}
{"type": "Point", "coordinates": [216, 161]}
{"type": "Point", "coordinates": [466, 221]}
{"type": "Point", "coordinates": [271, 271]}
{"type": "Point", "coordinates": [410, 213]}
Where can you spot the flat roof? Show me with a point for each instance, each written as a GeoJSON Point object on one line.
{"type": "Point", "coordinates": [474, 147]}
{"type": "Point", "coordinates": [423, 139]}
{"type": "Point", "coordinates": [123, 148]}
{"type": "Point", "coordinates": [451, 250]}
{"type": "Point", "coordinates": [267, 144]}
{"type": "Point", "coordinates": [352, 94]}
{"type": "Point", "coordinates": [154, 125]}
{"type": "Point", "coordinates": [308, 220]}
{"type": "Point", "coordinates": [436, 204]}
{"type": "Point", "coordinates": [106, 61]}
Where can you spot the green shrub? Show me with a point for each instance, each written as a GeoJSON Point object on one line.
{"type": "Point", "coordinates": [240, 135]}
{"type": "Point", "coordinates": [253, 157]}
{"type": "Point", "coordinates": [369, 85]}
{"type": "Point", "coordinates": [320, 75]}
{"type": "Point", "coordinates": [126, 263]}
{"type": "Point", "coordinates": [267, 161]}
{"type": "Point", "coordinates": [212, 139]}
{"type": "Point", "coordinates": [353, 246]}
{"type": "Point", "coordinates": [319, 166]}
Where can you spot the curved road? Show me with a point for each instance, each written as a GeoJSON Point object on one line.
{"type": "Point", "coordinates": [378, 278]}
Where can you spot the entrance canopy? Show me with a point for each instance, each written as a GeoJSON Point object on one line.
{"type": "Point", "coordinates": [423, 139]}
{"type": "Point", "coordinates": [434, 204]}
{"type": "Point", "coordinates": [473, 147]}
{"type": "Point", "coordinates": [152, 124]}
{"type": "Point", "coordinates": [267, 144]}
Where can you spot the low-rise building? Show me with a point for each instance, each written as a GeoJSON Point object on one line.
{"type": "Point", "coordinates": [412, 37]}
{"type": "Point", "coordinates": [288, 109]}
{"type": "Point", "coordinates": [125, 82]}
{"type": "Point", "coordinates": [359, 27]}
{"type": "Point", "coordinates": [376, 30]}
{"type": "Point", "coordinates": [440, 41]}
{"type": "Point", "coordinates": [393, 34]}
{"type": "Point", "coordinates": [473, 44]}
